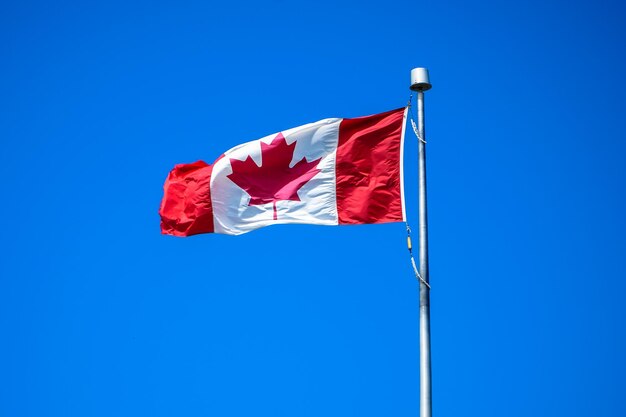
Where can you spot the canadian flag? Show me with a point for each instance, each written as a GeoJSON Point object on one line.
{"type": "Point", "coordinates": [335, 171]}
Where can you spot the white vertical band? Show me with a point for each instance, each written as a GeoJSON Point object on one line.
{"type": "Point", "coordinates": [404, 119]}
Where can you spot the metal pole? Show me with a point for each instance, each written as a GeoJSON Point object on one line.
{"type": "Point", "coordinates": [420, 83]}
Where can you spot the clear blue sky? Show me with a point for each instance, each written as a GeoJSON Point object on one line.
{"type": "Point", "coordinates": [100, 315]}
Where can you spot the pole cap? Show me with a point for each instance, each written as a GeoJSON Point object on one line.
{"type": "Point", "coordinates": [420, 80]}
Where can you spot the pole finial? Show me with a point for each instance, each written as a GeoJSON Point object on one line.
{"type": "Point", "coordinates": [420, 80]}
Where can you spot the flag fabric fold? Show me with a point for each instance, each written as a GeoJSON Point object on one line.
{"type": "Point", "coordinates": [331, 172]}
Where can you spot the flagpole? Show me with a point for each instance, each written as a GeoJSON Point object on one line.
{"type": "Point", "coordinates": [420, 82]}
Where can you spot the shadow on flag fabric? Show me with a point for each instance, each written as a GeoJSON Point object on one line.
{"type": "Point", "coordinates": [331, 172]}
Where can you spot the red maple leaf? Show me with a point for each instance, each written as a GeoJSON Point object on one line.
{"type": "Point", "coordinates": [274, 180]}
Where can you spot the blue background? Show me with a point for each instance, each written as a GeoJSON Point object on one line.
{"type": "Point", "coordinates": [100, 315]}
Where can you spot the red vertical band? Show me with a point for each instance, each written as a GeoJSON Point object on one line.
{"type": "Point", "coordinates": [186, 207]}
{"type": "Point", "coordinates": [368, 169]}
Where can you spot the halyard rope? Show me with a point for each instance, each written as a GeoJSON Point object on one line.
{"type": "Point", "coordinates": [413, 125]}
{"type": "Point", "coordinates": [410, 247]}
{"type": "Point", "coordinates": [408, 228]}
{"type": "Point", "coordinates": [417, 133]}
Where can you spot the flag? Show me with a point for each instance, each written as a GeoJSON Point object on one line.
{"type": "Point", "coordinates": [331, 172]}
